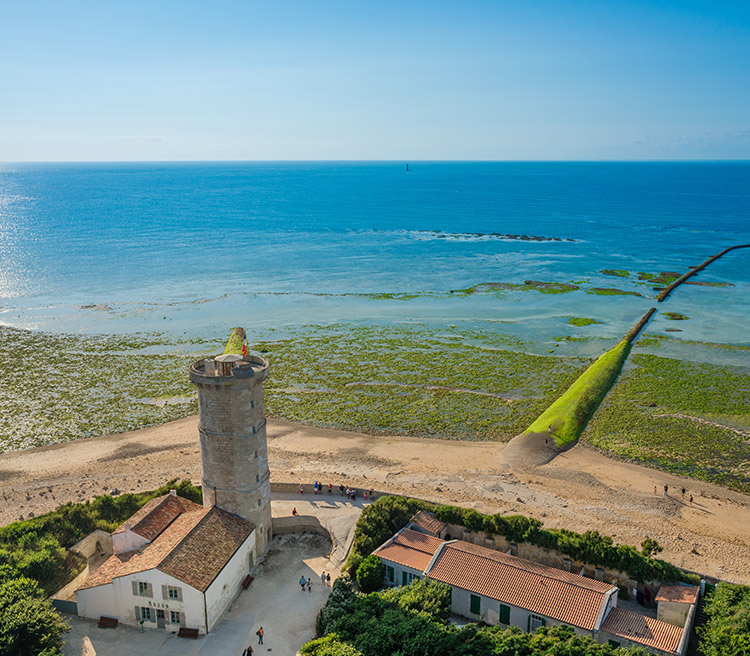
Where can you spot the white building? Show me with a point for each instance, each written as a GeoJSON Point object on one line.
{"type": "Point", "coordinates": [498, 588]}
{"type": "Point", "coordinates": [175, 564]}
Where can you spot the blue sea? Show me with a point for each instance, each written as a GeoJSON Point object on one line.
{"type": "Point", "coordinates": [195, 248]}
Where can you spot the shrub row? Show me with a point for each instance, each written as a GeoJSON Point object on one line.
{"type": "Point", "coordinates": [382, 519]}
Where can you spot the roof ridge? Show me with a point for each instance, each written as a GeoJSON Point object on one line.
{"type": "Point", "coordinates": [575, 577]}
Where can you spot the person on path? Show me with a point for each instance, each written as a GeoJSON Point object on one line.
{"type": "Point", "coordinates": [301, 489]}
{"type": "Point", "coordinates": [683, 492]}
{"type": "Point", "coordinates": [341, 490]}
{"type": "Point", "coordinates": [666, 490]}
{"type": "Point", "coordinates": [294, 512]}
{"type": "Point", "coordinates": [691, 499]}
{"type": "Point", "coordinates": [248, 651]}
{"type": "Point", "coordinates": [322, 578]}
{"type": "Point", "coordinates": [371, 495]}
{"type": "Point", "coordinates": [654, 489]}
{"type": "Point", "coordinates": [309, 585]}
{"type": "Point", "coordinates": [259, 633]}
{"type": "Point", "coordinates": [330, 488]}
{"type": "Point", "coordinates": [302, 583]}
{"type": "Point", "coordinates": [328, 576]}
{"type": "Point", "coordinates": [315, 487]}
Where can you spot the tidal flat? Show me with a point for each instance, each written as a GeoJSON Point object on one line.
{"type": "Point", "coordinates": [679, 406]}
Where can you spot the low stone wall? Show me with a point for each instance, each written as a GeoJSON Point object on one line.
{"type": "Point", "coordinates": [308, 487]}
{"type": "Point", "coordinates": [96, 543]}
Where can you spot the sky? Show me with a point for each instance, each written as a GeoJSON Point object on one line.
{"type": "Point", "coordinates": [360, 80]}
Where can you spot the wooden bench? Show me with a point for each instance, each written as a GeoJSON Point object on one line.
{"type": "Point", "coordinates": [246, 582]}
{"type": "Point", "coordinates": [187, 633]}
{"type": "Point", "coordinates": [107, 622]}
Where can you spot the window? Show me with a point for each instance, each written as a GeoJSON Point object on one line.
{"type": "Point", "coordinates": [390, 574]}
{"type": "Point", "coordinates": [256, 454]}
{"type": "Point", "coordinates": [173, 592]}
{"type": "Point", "coordinates": [258, 502]}
{"type": "Point", "coordinates": [535, 622]}
{"type": "Point", "coordinates": [475, 605]}
{"type": "Point", "coordinates": [411, 577]}
{"type": "Point", "coordinates": [257, 478]}
{"type": "Point", "coordinates": [504, 614]}
{"type": "Point", "coordinates": [143, 589]}
{"type": "Point", "coordinates": [147, 614]}
{"type": "Point", "coordinates": [174, 617]}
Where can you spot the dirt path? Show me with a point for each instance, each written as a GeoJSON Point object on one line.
{"type": "Point", "coordinates": [580, 489]}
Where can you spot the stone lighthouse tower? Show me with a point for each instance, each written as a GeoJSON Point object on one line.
{"type": "Point", "coordinates": [232, 430]}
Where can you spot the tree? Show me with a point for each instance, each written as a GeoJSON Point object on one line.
{"type": "Point", "coordinates": [727, 632]}
{"type": "Point", "coordinates": [330, 645]}
{"type": "Point", "coordinates": [650, 547]}
{"type": "Point", "coordinates": [370, 574]}
{"type": "Point", "coordinates": [431, 598]}
{"type": "Point", "coordinates": [28, 623]}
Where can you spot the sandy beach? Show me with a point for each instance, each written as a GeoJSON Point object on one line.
{"type": "Point", "coordinates": [580, 489]}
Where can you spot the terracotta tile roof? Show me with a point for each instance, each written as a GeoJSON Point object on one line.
{"type": "Point", "coordinates": [200, 557]}
{"type": "Point", "coordinates": [643, 630]}
{"type": "Point", "coordinates": [538, 588]}
{"type": "Point", "coordinates": [409, 548]}
{"type": "Point", "coordinates": [193, 548]}
{"type": "Point", "coordinates": [428, 522]}
{"type": "Point", "coordinates": [685, 594]}
{"type": "Point", "coordinates": [157, 514]}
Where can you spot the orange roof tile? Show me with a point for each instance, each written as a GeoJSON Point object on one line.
{"type": "Point", "coordinates": [538, 588]}
{"type": "Point", "coordinates": [428, 522]}
{"type": "Point", "coordinates": [410, 549]}
{"type": "Point", "coordinates": [643, 630]}
{"type": "Point", "coordinates": [193, 548]}
{"type": "Point", "coordinates": [157, 514]}
{"type": "Point", "coordinates": [685, 594]}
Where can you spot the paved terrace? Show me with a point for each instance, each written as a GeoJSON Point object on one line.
{"type": "Point", "coordinates": [273, 601]}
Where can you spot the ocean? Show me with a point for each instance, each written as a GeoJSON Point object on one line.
{"type": "Point", "coordinates": [195, 248]}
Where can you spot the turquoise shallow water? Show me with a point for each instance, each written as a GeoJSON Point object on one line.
{"type": "Point", "coordinates": [194, 248]}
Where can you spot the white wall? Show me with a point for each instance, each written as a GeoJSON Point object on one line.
{"type": "Point", "coordinates": [116, 599]}
{"type": "Point", "coordinates": [226, 586]}
{"type": "Point", "coordinates": [673, 612]}
{"type": "Point", "coordinates": [490, 612]}
{"type": "Point", "coordinates": [127, 540]}
{"type": "Point", "coordinates": [398, 573]}
{"type": "Point", "coordinates": [95, 602]}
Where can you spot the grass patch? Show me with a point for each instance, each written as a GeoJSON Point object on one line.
{"type": "Point", "coordinates": [582, 321]}
{"type": "Point", "coordinates": [569, 414]}
{"type": "Point", "coordinates": [633, 423]}
{"type": "Point", "coordinates": [620, 273]}
{"type": "Point", "coordinates": [412, 381]}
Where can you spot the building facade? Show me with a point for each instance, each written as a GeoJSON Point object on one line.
{"type": "Point", "coordinates": [175, 564]}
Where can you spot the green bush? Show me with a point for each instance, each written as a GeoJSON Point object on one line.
{"type": "Point", "coordinates": [727, 632]}
{"type": "Point", "coordinates": [339, 602]}
{"type": "Point", "coordinates": [380, 520]}
{"type": "Point", "coordinates": [28, 623]}
{"type": "Point", "coordinates": [370, 574]}
{"type": "Point", "coordinates": [409, 621]}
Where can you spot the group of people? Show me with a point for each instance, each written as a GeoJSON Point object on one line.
{"type": "Point", "coordinates": [350, 492]}
{"type": "Point", "coordinates": [666, 492]}
{"type": "Point", "coordinates": [305, 583]}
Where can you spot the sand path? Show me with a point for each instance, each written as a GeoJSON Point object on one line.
{"type": "Point", "coordinates": [580, 489]}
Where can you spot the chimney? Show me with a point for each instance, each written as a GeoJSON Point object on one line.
{"type": "Point", "coordinates": [173, 493]}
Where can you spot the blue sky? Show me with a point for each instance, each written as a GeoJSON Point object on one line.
{"type": "Point", "coordinates": [405, 80]}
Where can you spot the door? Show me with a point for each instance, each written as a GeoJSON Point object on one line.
{"type": "Point", "coordinates": [404, 578]}
{"type": "Point", "coordinates": [160, 622]}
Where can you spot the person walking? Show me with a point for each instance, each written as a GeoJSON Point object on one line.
{"type": "Point", "coordinates": [691, 499]}
{"type": "Point", "coordinates": [302, 583]}
{"type": "Point", "coordinates": [309, 585]}
{"type": "Point", "coordinates": [654, 489]}
{"type": "Point", "coordinates": [330, 488]}
{"type": "Point", "coordinates": [683, 492]}
{"type": "Point", "coordinates": [341, 490]}
{"type": "Point", "coordinates": [248, 651]}
{"type": "Point", "coordinates": [328, 576]}
{"type": "Point", "coordinates": [666, 490]}
{"type": "Point", "coordinates": [301, 489]}
{"type": "Point", "coordinates": [259, 633]}
{"type": "Point", "coordinates": [323, 578]}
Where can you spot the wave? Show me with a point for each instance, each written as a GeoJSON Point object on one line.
{"type": "Point", "coordinates": [429, 235]}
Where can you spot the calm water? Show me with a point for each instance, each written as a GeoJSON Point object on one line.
{"type": "Point", "coordinates": [198, 247]}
